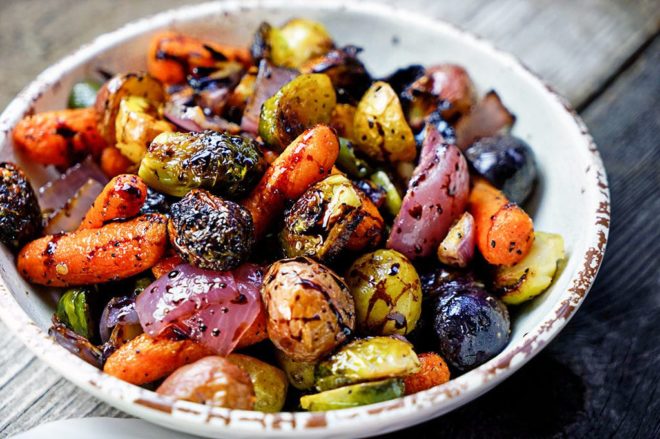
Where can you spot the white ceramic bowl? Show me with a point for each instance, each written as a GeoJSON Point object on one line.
{"type": "Point", "coordinates": [572, 199]}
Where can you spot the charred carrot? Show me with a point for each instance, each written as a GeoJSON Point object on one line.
{"type": "Point", "coordinates": [305, 161]}
{"type": "Point", "coordinates": [121, 198]}
{"type": "Point", "coordinates": [84, 257]}
{"type": "Point", "coordinates": [145, 359]}
{"type": "Point", "coordinates": [113, 162]}
{"type": "Point", "coordinates": [434, 371]}
{"type": "Point", "coordinates": [60, 138]}
{"type": "Point", "coordinates": [369, 231]}
{"type": "Point", "coordinates": [172, 56]}
{"type": "Point", "coordinates": [504, 232]}
{"type": "Point", "coordinates": [166, 264]}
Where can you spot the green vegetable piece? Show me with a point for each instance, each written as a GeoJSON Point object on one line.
{"type": "Point", "coordinates": [387, 293]}
{"type": "Point", "coordinates": [176, 163]}
{"type": "Point", "coordinates": [299, 373]}
{"type": "Point", "coordinates": [298, 41]}
{"type": "Point", "coordinates": [367, 359]}
{"type": "Point", "coordinates": [347, 160]}
{"type": "Point", "coordinates": [353, 396]}
{"type": "Point", "coordinates": [83, 94]}
{"type": "Point", "coordinates": [533, 275]}
{"type": "Point", "coordinates": [73, 310]}
{"type": "Point", "coordinates": [306, 101]}
{"type": "Point", "coordinates": [392, 197]}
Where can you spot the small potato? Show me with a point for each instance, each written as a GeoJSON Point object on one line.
{"type": "Point", "coordinates": [213, 381]}
{"type": "Point", "coordinates": [270, 383]}
{"type": "Point", "coordinates": [310, 309]}
{"type": "Point", "coordinates": [387, 293]}
{"type": "Point", "coordinates": [380, 127]}
{"type": "Point", "coordinates": [136, 125]}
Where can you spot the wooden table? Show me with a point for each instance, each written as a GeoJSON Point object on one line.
{"type": "Point", "coordinates": [601, 376]}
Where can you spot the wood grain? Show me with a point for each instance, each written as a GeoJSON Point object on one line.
{"type": "Point", "coordinates": [600, 377]}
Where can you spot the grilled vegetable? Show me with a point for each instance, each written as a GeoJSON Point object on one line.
{"type": "Point", "coordinates": [74, 311]}
{"type": "Point", "coordinates": [387, 293]}
{"type": "Point", "coordinates": [214, 381]}
{"type": "Point", "coordinates": [114, 163]}
{"type": "Point", "coordinates": [299, 373]}
{"type": "Point", "coordinates": [210, 232]}
{"type": "Point", "coordinates": [109, 97]}
{"type": "Point", "coordinates": [341, 120]}
{"type": "Point", "coordinates": [20, 216]}
{"type": "Point", "coordinates": [331, 216]}
{"type": "Point", "coordinates": [76, 344]}
{"type": "Point", "coordinates": [392, 196]}
{"type": "Point", "coordinates": [347, 160]}
{"type": "Point", "coordinates": [83, 94]}
{"type": "Point", "coordinates": [533, 274]}
{"type": "Point", "coordinates": [121, 198]}
{"type": "Point", "coordinates": [457, 249]}
{"type": "Point", "coordinates": [433, 372]}
{"type": "Point", "coordinates": [380, 128]}
{"type": "Point", "coordinates": [310, 310]}
{"type": "Point", "coordinates": [306, 101]}
{"type": "Point", "coordinates": [353, 396]}
{"type": "Point", "coordinates": [137, 124]}
{"type": "Point", "coordinates": [488, 118]}
{"type": "Point", "coordinates": [507, 162]}
{"type": "Point", "coordinates": [270, 383]}
{"type": "Point", "coordinates": [156, 202]}
{"type": "Point", "coordinates": [178, 162]}
{"type": "Point", "coordinates": [367, 359]}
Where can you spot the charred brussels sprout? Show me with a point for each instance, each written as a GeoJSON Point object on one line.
{"type": "Point", "coordinates": [387, 293]}
{"type": "Point", "coordinates": [507, 162]}
{"type": "Point", "coordinates": [210, 232]}
{"type": "Point", "coordinates": [310, 310]}
{"type": "Point", "coordinates": [20, 216]}
{"type": "Point", "coordinates": [367, 359]}
{"type": "Point", "coordinates": [330, 216]}
{"type": "Point", "coordinates": [380, 127]}
{"type": "Point", "coordinates": [156, 202]}
{"type": "Point", "coordinates": [306, 101]}
{"type": "Point", "coordinates": [178, 162]}
{"type": "Point", "coordinates": [75, 311]}
{"type": "Point", "coordinates": [353, 396]}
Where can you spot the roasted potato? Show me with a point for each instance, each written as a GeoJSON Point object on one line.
{"type": "Point", "coordinates": [270, 383]}
{"type": "Point", "coordinates": [137, 124]}
{"type": "Point", "coordinates": [354, 395]}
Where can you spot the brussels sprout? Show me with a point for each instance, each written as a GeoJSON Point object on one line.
{"type": "Point", "coordinates": [306, 101]}
{"type": "Point", "coordinates": [347, 160]}
{"type": "Point", "coordinates": [299, 373]}
{"type": "Point", "coordinates": [368, 359]}
{"type": "Point", "coordinates": [310, 310]}
{"type": "Point", "coordinates": [353, 396]}
{"type": "Point", "coordinates": [387, 293]}
{"type": "Point", "coordinates": [270, 383]}
{"type": "Point", "coordinates": [137, 124]}
{"type": "Point", "coordinates": [380, 127]}
{"type": "Point", "coordinates": [507, 162]}
{"type": "Point", "coordinates": [175, 163]}
{"type": "Point", "coordinates": [330, 216]}
{"type": "Point", "coordinates": [210, 232]}
{"type": "Point", "coordinates": [156, 202]}
{"type": "Point", "coordinates": [533, 275]}
{"type": "Point", "coordinates": [20, 216]}
{"type": "Point", "coordinates": [83, 94]}
{"type": "Point", "coordinates": [75, 312]}
{"type": "Point", "coordinates": [392, 196]}
{"type": "Point", "coordinates": [346, 71]}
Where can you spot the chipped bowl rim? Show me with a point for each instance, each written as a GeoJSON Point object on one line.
{"type": "Point", "coordinates": [365, 420]}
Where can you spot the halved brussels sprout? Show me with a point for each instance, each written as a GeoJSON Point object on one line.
{"type": "Point", "coordinates": [306, 101]}
{"type": "Point", "coordinates": [176, 163]}
{"type": "Point", "coordinates": [387, 293]}
{"type": "Point", "coordinates": [353, 396]}
{"type": "Point", "coordinates": [533, 275]}
{"type": "Point", "coordinates": [74, 311]}
{"type": "Point", "coordinates": [367, 359]}
{"type": "Point", "coordinates": [270, 383]}
{"type": "Point", "coordinates": [380, 127]}
{"type": "Point", "coordinates": [299, 373]}
{"type": "Point", "coordinates": [137, 124]}
{"type": "Point", "coordinates": [330, 216]}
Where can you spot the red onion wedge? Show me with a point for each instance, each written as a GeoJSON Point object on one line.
{"type": "Point", "coordinates": [436, 197]}
{"type": "Point", "coordinates": [71, 214]}
{"type": "Point", "coordinates": [457, 249]}
{"type": "Point", "coordinates": [488, 118]}
{"type": "Point", "coordinates": [55, 194]}
{"type": "Point", "coordinates": [214, 308]}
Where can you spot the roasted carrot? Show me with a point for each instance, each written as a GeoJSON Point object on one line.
{"type": "Point", "coordinates": [84, 257]}
{"type": "Point", "coordinates": [113, 162]}
{"type": "Point", "coordinates": [172, 56]}
{"type": "Point", "coordinates": [59, 138]}
{"type": "Point", "coordinates": [504, 232]}
{"type": "Point", "coordinates": [369, 231]}
{"type": "Point", "coordinates": [121, 198]}
{"type": "Point", "coordinates": [434, 371]}
{"type": "Point", "coordinates": [145, 359]}
{"type": "Point", "coordinates": [166, 264]}
{"type": "Point", "coordinates": [305, 161]}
